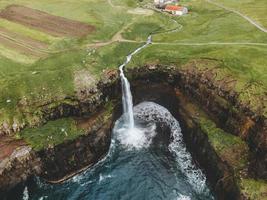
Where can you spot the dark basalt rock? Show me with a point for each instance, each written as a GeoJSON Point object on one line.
{"type": "Point", "coordinates": [159, 84]}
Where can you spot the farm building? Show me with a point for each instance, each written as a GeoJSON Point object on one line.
{"type": "Point", "coordinates": [176, 10]}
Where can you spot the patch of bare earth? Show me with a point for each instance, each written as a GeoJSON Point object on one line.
{"type": "Point", "coordinates": [84, 83]}
{"type": "Point", "coordinates": [54, 25]}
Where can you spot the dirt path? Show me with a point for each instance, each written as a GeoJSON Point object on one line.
{"type": "Point", "coordinates": [258, 26]}
{"type": "Point", "coordinates": [116, 38]}
{"type": "Point", "coordinates": [210, 43]}
{"type": "Point", "coordinates": [9, 43]}
{"type": "Point", "coordinates": [112, 5]}
{"type": "Point", "coordinates": [23, 39]}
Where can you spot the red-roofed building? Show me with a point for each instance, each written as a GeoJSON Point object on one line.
{"type": "Point", "coordinates": [176, 10]}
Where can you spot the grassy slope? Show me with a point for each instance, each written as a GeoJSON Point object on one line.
{"type": "Point", "coordinates": [205, 24]}
{"type": "Point", "coordinates": [254, 9]}
{"type": "Point", "coordinates": [52, 133]}
{"type": "Point", "coordinates": [106, 19]}
{"type": "Point", "coordinates": [34, 34]}
{"type": "Point", "coordinates": [51, 79]}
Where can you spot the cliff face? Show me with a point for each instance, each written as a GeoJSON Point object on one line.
{"type": "Point", "coordinates": [222, 105]}
{"type": "Point", "coordinates": [230, 115]}
{"type": "Point", "coordinates": [183, 92]}
{"type": "Point", "coordinates": [225, 136]}
{"type": "Point", "coordinates": [57, 163]}
{"type": "Point", "coordinates": [18, 167]}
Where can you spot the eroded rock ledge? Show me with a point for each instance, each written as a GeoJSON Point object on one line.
{"type": "Point", "coordinates": [186, 91]}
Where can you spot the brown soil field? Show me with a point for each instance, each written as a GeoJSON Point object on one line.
{"type": "Point", "coordinates": [54, 25]}
{"type": "Point", "coordinates": [23, 39]}
{"type": "Point", "coordinates": [19, 47]}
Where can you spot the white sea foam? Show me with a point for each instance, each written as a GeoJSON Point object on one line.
{"type": "Point", "coordinates": [104, 177]}
{"type": "Point", "coordinates": [25, 194]}
{"type": "Point", "coordinates": [43, 197]}
{"type": "Point", "coordinates": [183, 197]}
{"type": "Point", "coordinates": [152, 112]}
{"type": "Point", "coordinates": [135, 138]}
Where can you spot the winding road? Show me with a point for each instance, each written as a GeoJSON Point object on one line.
{"type": "Point", "coordinates": [210, 43]}
{"type": "Point", "coordinates": [263, 29]}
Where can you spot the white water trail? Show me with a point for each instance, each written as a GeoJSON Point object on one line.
{"type": "Point", "coordinates": [152, 112]}
{"type": "Point", "coordinates": [127, 99]}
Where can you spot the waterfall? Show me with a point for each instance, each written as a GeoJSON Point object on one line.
{"type": "Point", "coordinates": [127, 99]}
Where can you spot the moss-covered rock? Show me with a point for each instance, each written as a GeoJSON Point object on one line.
{"type": "Point", "coordinates": [231, 149]}
{"type": "Point", "coordinates": [254, 189]}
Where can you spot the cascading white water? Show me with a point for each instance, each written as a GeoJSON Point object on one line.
{"type": "Point", "coordinates": [127, 99]}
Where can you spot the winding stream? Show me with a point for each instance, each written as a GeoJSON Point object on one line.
{"type": "Point", "coordinates": [127, 100]}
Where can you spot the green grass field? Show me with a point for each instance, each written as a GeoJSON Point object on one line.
{"type": "Point", "coordinates": [52, 133]}
{"type": "Point", "coordinates": [254, 9]}
{"type": "Point", "coordinates": [207, 32]}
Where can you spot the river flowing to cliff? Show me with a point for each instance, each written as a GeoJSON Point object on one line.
{"type": "Point", "coordinates": [147, 160]}
{"type": "Point", "coordinates": [127, 100]}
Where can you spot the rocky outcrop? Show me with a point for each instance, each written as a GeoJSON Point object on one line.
{"type": "Point", "coordinates": [85, 101]}
{"type": "Point", "coordinates": [18, 167]}
{"type": "Point", "coordinates": [223, 106]}
{"type": "Point", "coordinates": [60, 162]}
{"type": "Point", "coordinates": [69, 158]}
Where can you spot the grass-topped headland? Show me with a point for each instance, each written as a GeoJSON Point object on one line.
{"type": "Point", "coordinates": [65, 129]}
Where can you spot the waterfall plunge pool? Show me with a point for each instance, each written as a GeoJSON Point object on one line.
{"type": "Point", "coordinates": [147, 162]}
